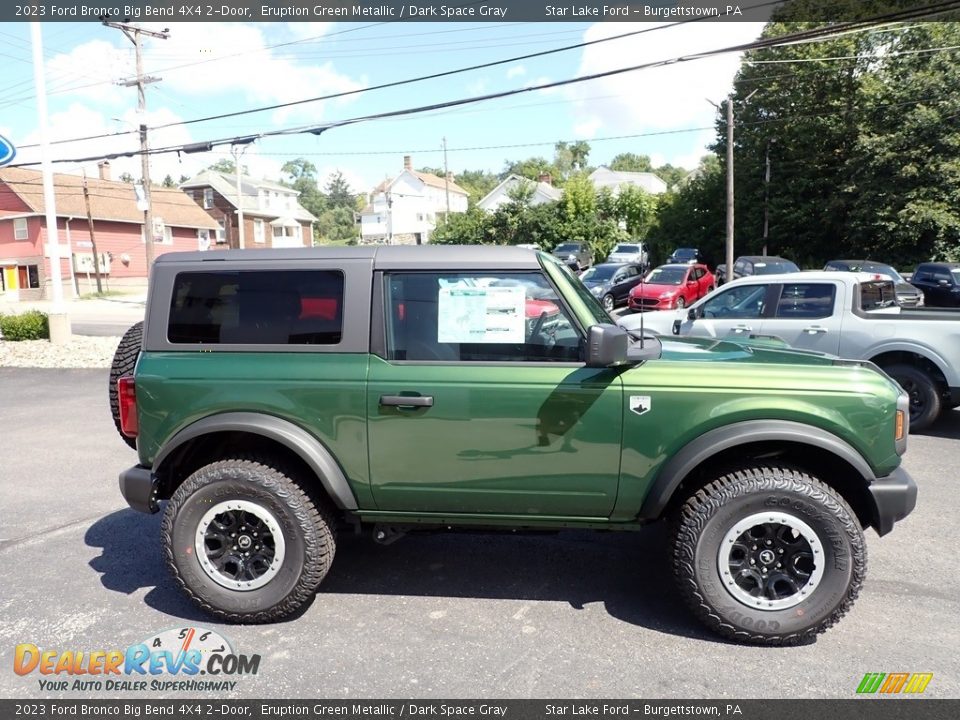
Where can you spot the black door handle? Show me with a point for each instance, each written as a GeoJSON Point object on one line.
{"type": "Point", "coordinates": [407, 400]}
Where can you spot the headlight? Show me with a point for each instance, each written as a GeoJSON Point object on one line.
{"type": "Point", "coordinates": [597, 289]}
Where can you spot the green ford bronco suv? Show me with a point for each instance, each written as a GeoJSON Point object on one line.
{"type": "Point", "coordinates": [278, 396]}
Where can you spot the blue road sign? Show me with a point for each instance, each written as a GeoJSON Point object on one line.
{"type": "Point", "coordinates": [7, 151]}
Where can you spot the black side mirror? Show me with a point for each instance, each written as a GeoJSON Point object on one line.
{"type": "Point", "coordinates": [692, 314]}
{"type": "Point", "coordinates": [606, 345]}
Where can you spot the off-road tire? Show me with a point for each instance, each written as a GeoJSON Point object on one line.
{"type": "Point", "coordinates": [925, 400]}
{"type": "Point", "coordinates": [306, 524]}
{"type": "Point", "coordinates": [124, 360]}
{"type": "Point", "coordinates": [706, 518]}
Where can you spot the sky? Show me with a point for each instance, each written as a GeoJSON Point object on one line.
{"type": "Point", "coordinates": [211, 68]}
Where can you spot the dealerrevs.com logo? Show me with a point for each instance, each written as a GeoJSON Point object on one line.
{"type": "Point", "coordinates": [180, 653]}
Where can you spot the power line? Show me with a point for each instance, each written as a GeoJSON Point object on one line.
{"type": "Point", "coordinates": [813, 35]}
{"type": "Point", "coordinates": [382, 86]}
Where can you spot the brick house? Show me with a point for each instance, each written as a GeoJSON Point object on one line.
{"type": "Point", "coordinates": [117, 229]}
{"type": "Point", "coordinates": [272, 215]}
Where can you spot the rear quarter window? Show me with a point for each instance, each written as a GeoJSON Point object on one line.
{"type": "Point", "coordinates": [257, 307]}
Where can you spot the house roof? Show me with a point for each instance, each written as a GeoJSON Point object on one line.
{"type": "Point", "coordinates": [545, 189]}
{"type": "Point", "coordinates": [109, 200]}
{"type": "Point", "coordinates": [226, 185]}
{"type": "Point", "coordinates": [427, 179]}
{"type": "Point", "coordinates": [605, 177]}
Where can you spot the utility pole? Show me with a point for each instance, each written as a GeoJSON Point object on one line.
{"type": "Point", "coordinates": [93, 240]}
{"type": "Point", "coordinates": [133, 33]}
{"type": "Point", "coordinates": [729, 261]}
{"type": "Point", "coordinates": [729, 254]}
{"type": "Point", "coordinates": [766, 198]}
{"type": "Point", "coordinates": [237, 152]}
{"type": "Point", "coordinates": [446, 177]}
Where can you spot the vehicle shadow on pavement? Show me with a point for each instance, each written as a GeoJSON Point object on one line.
{"type": "Point", "coordinates": [626, 571]}
{"type": "Point", "coordinates": [947, 426]}
{"type": "Point", "coordinates": [131, 558]}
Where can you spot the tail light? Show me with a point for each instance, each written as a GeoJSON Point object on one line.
{"type": "Point", "coordinates": [127, 394]}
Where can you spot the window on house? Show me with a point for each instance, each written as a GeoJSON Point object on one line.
{"type": "Point", "coordinates": [20, 229]}
{"type": "Point", "coordinates": [276, 307]}
{"type": "Point", "coordinates": [221, 232]}
{"type": "Point", "coordinates": [208, 198]}
{"type": "Point", "coordinates": [203, 239]}
{"type": "Point", "coordinates": [258, 236]}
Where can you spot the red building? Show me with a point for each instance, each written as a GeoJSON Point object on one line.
{"type": "Point", "coordinates": [179, 224]}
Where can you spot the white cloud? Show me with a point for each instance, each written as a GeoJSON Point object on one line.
{"type": "Point", "coordinates": [204, 59]}
{"type": "Point", "coordinates": [663, 98]}
{"type": "Point", "coordinates": [478, 87]}
{"type": "Point", "coordinates": [588, 128]}
{"type": "Point", "coordinates": [81, 120]}
{"type": "Point", "coordinates": [516, 71]}
{"type": "Point", "coordinates": [92, 70]}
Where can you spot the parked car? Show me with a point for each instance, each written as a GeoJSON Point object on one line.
{"type": "Point", "coordinates": [850, 315]}
{"type": "Point", "coordinates": [685, 255]}
{"type": "Point", "coordinates": [746, 265]}
{"type": "Point", "coordinates": [672, 286]}
{"type": "Point", "coordinates": [611, 283]}
{"type": "Point", "coordinates": [907, 295]}
{"type": "Point", "coordinates": [939, 282]}
{"type": "Point", "coordinates": [635, 253]}
{"type": "Point", "coordinates": [574, 253]}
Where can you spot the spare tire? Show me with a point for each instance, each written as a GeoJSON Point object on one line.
{"type": "Point", "coordinates": [124, 360]}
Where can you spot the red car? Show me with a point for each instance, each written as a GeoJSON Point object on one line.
{"type": "Point", "coordinates": [672, 286]}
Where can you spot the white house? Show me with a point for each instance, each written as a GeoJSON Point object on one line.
{"type": "Point", "coordinates": [404, 210]}
{"type": "Point", "coordinates": [604, 177]}
{"type": "Point", "coordinates": [543, 192]}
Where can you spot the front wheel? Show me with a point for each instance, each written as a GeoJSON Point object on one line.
{"type": "Point", "coordinates": [768, 555]}
{"type": "Point", "coordinates": [924, 395]}
{"type": "Point", "coordinates": [608, 303]}
{"type": "Point", "coordinates": [246, 542]}
{"type": "Point", "coordinates": [681, 302]}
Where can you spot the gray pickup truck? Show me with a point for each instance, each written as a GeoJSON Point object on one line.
{"type": "Point", "coordinates": [851, 315]}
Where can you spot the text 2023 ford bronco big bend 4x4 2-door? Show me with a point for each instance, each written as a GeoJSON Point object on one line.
{"type": "Point", "coordinates": [275, 395]}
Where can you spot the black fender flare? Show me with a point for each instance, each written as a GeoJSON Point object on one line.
{"type": "Point", "coordinates": [291, 436]}
{"type": "Point", "coordinates": [749, 431]}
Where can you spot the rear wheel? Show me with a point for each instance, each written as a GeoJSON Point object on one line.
{"type": "Point", "coordinates": [768, 555]}
{"type": "Point", "coordinates": [124, 360]}
{"type": "Point", "coordinates": [924, 395]}
{"type": "Point", "coordinates": [246, 542]}
{"type": "Point", "coordinates": [608, 302]}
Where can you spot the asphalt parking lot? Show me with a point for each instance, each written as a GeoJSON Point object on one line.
{"type": "Point", "coordinates": [458, 616]}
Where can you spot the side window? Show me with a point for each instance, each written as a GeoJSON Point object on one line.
{"type": "Point", "coordinates": [631, 272]}
{"type": "Point", "coordinates": [942, 274]}
{"type": "Point", "coordinates": [277, 307]}
{"type": "Point", "coordinates": [477, 317]}
{"type": "Point", "coordinates": [806, 300]}
{"type": "Point", "coordinates": [697, 274]}
{"type": "Point", "coordinates": [744, 302]}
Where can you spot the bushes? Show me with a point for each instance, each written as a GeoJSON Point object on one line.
{"type": "Point", "coordinates": [31, 325]}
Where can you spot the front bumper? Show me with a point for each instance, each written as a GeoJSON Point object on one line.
{"type": "Point", "coordinates": [894, 497]}
{"type": "Point", "coordinates": [139, 488]}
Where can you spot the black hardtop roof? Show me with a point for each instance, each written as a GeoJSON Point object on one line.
{"type": "Point", "coordinates": [384, 257]}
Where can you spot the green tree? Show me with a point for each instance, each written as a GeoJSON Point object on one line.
{"type": "Point", "coordinates": [476, 182]}
{"type": "Point", "coordinates": [338, 192]}
{"type": "Point", "coordinates": [127, 178]}
{"type": "Point", "coordinates": [671, 174]}
{"type": "Point", "coordinates": [469, 228]}
{"type": "Point", "coordinates": [302, 176]}
{"type": "Point", "coordinates": [336, 225]}
{"type": "Point", "coordinates": [168, 182]}
{"type": "Point", "coordinates": [631, 162]}
{"type": "Point", "coordinates": [637, 209]}
{"type": "Point", "coordinates": [692, 215]}
{"type": "Point", "coordinates": [531, 168]}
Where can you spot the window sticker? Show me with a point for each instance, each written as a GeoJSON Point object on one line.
{"type": "Point", "coordinates": [481, 315]}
